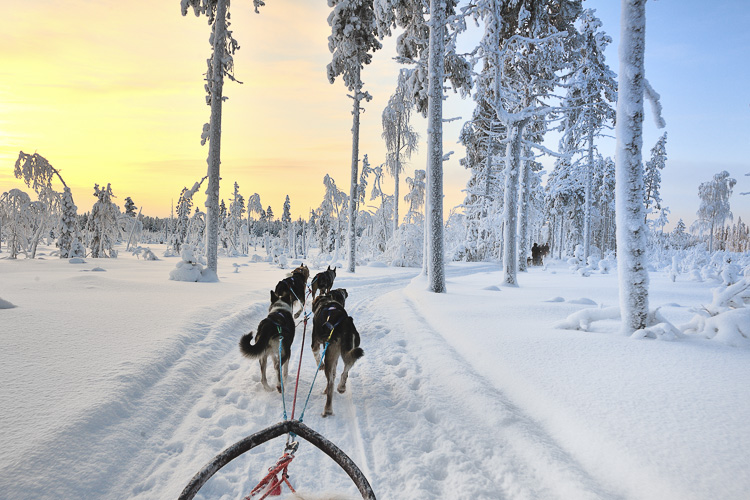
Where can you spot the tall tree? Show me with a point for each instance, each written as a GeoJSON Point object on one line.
{"type": "Point", "coordinates": [103, 224]}
{"type": "Point", "coordinates": [353, 37]}
{"type": "Point", "coordinates": [527, 43]}
{"type": "Point", "coordinates": [400, 138]}
{"type": "Point", "coordinates": [220, 64]}
{"type": "Point", "coordinates": [588, 104]}
{"type": "Point", "coordinates": [130, 207]}
{"type": "Point", "coordinates": [631, 226]}
{"type": "Point", "coordinates": [443, 63]}
{"type": "Point", "coordinates": [652, 175]}
{"type": "Point", "coordinates": [714, 208]}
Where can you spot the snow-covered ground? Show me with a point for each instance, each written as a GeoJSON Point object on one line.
{"type": "Point", "coordinates": [118, 383]}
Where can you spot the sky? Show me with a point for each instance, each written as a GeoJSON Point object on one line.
{"type": "Point", "coordinates": [113, 93]}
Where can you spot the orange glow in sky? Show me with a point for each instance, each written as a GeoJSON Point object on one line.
{"type": "Point", "coordinates": [112, 92]}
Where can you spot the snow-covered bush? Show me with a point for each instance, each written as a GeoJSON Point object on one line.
{"type": "Point", "coordinates": [103, 224]}
{"type": "Point", "coordinates": [190, 268]}
{"type": "Point", "coordinates": [727, 318]}
{"type": "Point", "coordinates": [405, 249]}
{"type": "Point", "coordinates": [146, 253]}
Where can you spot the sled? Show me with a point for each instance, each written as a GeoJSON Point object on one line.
{"type": "Point", "coordinates": [286, 427]}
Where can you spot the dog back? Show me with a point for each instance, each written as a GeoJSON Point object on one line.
{"type": "Point", "coordinates": [279, 322]}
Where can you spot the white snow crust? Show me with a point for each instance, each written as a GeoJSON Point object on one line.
{"type": "Point", "coordinates": [122, 385]}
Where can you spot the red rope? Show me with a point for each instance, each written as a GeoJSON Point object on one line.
{"type": "Point", "coordinates": [272, 484]}
{"type": "Point", "coordinates": [299, 368]}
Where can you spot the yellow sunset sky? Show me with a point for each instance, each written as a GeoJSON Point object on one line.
{"type": "Point", "coordinates": [112, 92]}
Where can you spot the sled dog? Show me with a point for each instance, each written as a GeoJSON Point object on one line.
{"type": "Point", "coordinates": [278, 323]}
{"type": "Point", "coordinates": [323, 282]}
{"type": "Point", "coordinates": [332, 325]}
{"type": "Point", "coordinates": [292, 288]}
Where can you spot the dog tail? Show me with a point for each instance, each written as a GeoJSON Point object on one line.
{"type": "Point", "coordinates": [350, 343]}
{"type": "Point", "coordinates": [253, 350]}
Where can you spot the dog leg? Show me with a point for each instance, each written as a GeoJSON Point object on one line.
{"type": "Point", "coordinates": [278, 373]}
{"type": "Point", "coordinates": [263, 361]}
{"type": "Point", "coordinates": [316, 353]}
{"type": "Point", "coordinates": [330, 362]}
{"type": "Point", "coordinates": [344, 377]}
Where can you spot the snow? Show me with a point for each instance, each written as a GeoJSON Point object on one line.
{"type": "Point", "coordinates": [123, 384]}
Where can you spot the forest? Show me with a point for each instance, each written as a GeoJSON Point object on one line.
{"type": "Point", "coordinates": [538, 69]}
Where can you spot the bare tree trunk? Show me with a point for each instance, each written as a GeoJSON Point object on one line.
{"type": "Point", "coordinates": [352, 230]}
{"type": "Point", "coordinates": [214, 147]}
{"type": "Point", "coordinates": [523, 212]}
{"type": "Point", "coordinates": [396, 176]}
{"type": "Point", "coordinates": [631, 230]}
{"type": "Point", "coordinates": [434, 208]}
{"type": "Point", "coordinates": [510, 212]}
{"type": "Point", "coordinates": [588, 200]}
{"type": "Point", "coordinates": [561, 243]}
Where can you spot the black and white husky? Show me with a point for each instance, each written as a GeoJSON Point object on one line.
{"type": "Point", "coordinates": [292, 288]}
{"type": "Point", "coordinates": [279, 324]}
{"type": "Point", "coordinates": [323, 282]}
{"type": "Point", "coordinates": [333, 325]}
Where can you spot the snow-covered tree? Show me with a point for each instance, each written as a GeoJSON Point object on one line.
{"type": "Point", "coordinates": [286, 223]}
{"type": "Point", "coordinates": [103, 225]}
{"type": "Point", "coordinates": [526, 45]}
{"type": "Point", "coordinates": [38, 173]}
{"type": "Point", "coordinates": [652, 175]}
{"type": "Point", "coordinates": [631, 227]}
{"type": "Point", "coordinates": [220, 64]}
{"type": "Point", "coordinates": [331, 216]}
{"type": "Point", "coordinates": [130, 207]}
{"type": "Point", "coordinates": [234, 218]}
{"type": "Point", "coordinates": [353, 37]}
{"type": "Point", "coordinates": [415, 197]}
{"type": "Point", "coordinates": [69, 240]}
{"type": "Point", "coordinates": [714, 208]}
{"type": "Point", "coordinates": [443, 63]}
{"type": "Point", "coordinates": [184, 208]}
{"type": "Point", "coordinates": [15, 214]}
{"type": "Point", "coordinates": [587, 107]}
{"type": "Point", "coordinates": [400, 138]}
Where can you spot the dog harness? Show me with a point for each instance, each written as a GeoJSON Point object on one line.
{"type": "Point", "coordinates": [328, 324]}
{"type": "Point", "coordinates": [280, 325]}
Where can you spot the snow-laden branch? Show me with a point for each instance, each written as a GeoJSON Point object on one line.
{"type": "Point", "coordinates": [654, 98]}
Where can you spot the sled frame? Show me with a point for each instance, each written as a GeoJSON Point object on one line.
{"type": "Point", "coordinates": [289, 426]}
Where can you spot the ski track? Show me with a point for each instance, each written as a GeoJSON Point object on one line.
{"type": "Point", "coordinates": [478, 445]}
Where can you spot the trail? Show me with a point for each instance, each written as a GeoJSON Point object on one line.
{"type": "Point", "coordinates": [430, 431]}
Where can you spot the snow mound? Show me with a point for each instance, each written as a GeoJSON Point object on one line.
{"type": "Point", "coordinates": [582, 319]}
{"type": "Point", "coordinates": [555, 299]}
{"type": "Point", "coordinates": [76, 260]}
{"type": "Point", "coordinates": [99, 269]}
{"type": "Point", "coordinates": [583, 300]}
{"type": "Point", "coordinates": [4, 304]}
{"type": "Point", "coordinates": [189, 269]}
{"type": "Point", "coordinates": [492, 288]}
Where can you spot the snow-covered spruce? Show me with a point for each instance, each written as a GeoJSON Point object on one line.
{"type": "Point", "coordinates": [190, 268]}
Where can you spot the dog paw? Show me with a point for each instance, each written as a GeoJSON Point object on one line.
{"type": "Point", "coordinates": [341, 389]}
{"type": "Point", "coordinates": [327, 413]}
{"type": "Point", "coordinates": [267, 387]}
